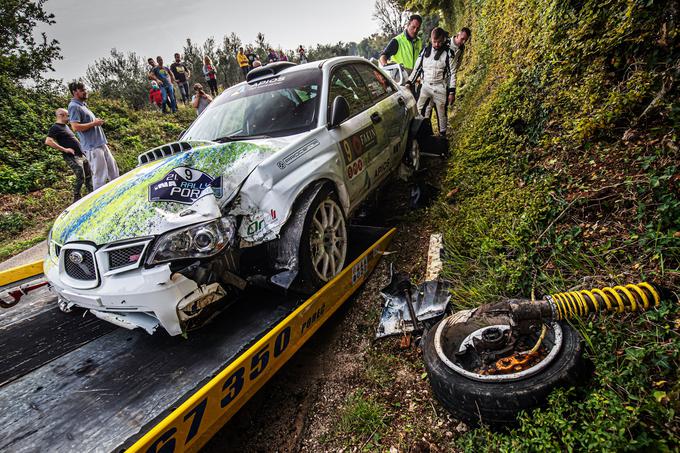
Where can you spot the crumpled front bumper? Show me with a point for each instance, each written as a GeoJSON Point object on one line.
{"type": "Point", "coordinates": [144, 298]}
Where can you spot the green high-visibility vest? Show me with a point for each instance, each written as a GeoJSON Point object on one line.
{"type": "Point", "coordinates": [408, 51]}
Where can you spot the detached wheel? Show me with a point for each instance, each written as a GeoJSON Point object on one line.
{"type": "Point", "coordinates": [323, 245]}
{"type": "Point", "coordinates": [461, 362]}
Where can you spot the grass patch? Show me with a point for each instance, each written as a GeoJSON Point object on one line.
{"type": "Point", "coordinates": [361, 419]}
{"type": "Point", "coordinates": [563, 177]}
{"type": "Point", "coordinates": [13, 247]}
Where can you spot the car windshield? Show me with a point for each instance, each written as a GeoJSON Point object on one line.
{"type": "Point", "coordinates": [276, 106]}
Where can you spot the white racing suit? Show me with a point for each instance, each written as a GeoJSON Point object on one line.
{"type": "Point", "coordinates": [437, 69]}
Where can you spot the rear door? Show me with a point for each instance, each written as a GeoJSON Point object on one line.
{"type": "Point", "coordinates": [357, 137]}
{"type": "Point", "coordinates": [392, 127]}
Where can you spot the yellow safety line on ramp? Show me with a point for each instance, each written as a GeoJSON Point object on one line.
{"type": "Point", "coordinates": [16, 274]}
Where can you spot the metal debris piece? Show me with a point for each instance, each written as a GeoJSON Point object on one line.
{"type": "Point", "coordinates": [434, 257]}
{"type": "Point", "coordinates": [12, 296]}
{"type": "Point", "coordinates": [430, 300]}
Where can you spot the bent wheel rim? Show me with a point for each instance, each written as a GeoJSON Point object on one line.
{"type": "Point", "coordinates": [328, 240]}
{"type": "Point", "coordinates": [554, 330]}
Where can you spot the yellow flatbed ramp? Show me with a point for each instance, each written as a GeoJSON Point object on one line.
{"type": "Point", "coordinates": [74, 383]}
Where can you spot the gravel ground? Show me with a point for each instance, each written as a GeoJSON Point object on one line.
{"type": "Point", "coordinates": [300, 409]}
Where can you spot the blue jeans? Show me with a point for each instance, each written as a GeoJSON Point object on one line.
{"type": "Point", "coordinates": [168, 93]}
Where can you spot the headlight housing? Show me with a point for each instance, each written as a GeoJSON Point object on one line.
{"type": "Point", "coordinates": [195, 241]}
{"type": "Point", "coordinates": [52, 248]}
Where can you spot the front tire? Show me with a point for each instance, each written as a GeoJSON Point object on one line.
{"type": "Point", "coordinates": [324, 241]}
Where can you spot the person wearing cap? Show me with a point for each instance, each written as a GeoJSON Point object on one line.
{"type": "Point", "coordinates": [405, 47]}
{"type": "Point", "coordinates": [61, 138]}
{"type": "Point", "coordinates": [200, 100]}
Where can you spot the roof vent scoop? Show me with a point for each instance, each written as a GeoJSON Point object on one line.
{"type": "Point", "coordinates": [168, 150]}
{"type": "Point", "coordinates": [271, 69]}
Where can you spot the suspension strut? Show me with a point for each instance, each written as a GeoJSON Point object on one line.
{"type": "Point", "coordinates": [575, 304]}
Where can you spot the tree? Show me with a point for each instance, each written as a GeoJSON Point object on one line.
{"type": "Point", "coordinates": [262, 48]}
{"type": "Point", "coordinates": [229, 72]}
{"type": "Point", "coordinates": [21, 55]}
{"type": "Point", "coordinates": [120, 76]}
{"type": "Point", "coordinates": [323, 51]}
{"type": "Point", "coordinates": [390, 16]}
{"type": "Point", "coordinates": [194, 61]}
{"type": "Point", "coordinates": [372, 46]}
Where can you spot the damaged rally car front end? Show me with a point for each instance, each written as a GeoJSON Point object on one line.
{"type": "Point", "coordinates": [173, 241]}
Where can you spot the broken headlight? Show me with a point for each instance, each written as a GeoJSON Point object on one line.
{"type": "Point", "coordinates": [195, 241]}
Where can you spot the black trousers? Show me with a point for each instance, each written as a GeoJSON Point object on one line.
{"type": "Point", "coordinates": [212, 83]}
{"type": "Point", "coordinates": [81, 169]}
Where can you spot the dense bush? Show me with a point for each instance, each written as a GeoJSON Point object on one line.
{"type": "Point", "coordinates": [564, 174]}
{"type": "Point", "coordinates": [25, 162]}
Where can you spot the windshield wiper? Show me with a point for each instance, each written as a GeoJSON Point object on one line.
{"type": "Point", "coordinates": [235, 138]}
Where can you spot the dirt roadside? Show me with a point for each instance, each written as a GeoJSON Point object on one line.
{"type": "Point", "coordinates": [311, 404]}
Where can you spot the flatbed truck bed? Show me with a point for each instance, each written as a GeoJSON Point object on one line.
{"type": "Point", "coordinates": [70, 382]}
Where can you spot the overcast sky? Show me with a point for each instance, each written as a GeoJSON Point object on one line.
{"type": "Point", "coordinates": [87, 30]}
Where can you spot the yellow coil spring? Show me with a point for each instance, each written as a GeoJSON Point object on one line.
{"type": "Point", "coordinates": [619, 298]}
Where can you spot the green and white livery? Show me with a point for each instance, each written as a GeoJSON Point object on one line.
{"type": "Point", "coordinates": [256, 192]}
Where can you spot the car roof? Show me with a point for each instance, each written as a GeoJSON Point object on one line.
{"type": "Point", "coordinates": [319, 64]}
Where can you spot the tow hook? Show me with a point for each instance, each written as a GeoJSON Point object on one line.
{"type": "Point", "coordinates": [11, 297]}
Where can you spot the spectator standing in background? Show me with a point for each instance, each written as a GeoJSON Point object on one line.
{"type": "Point", "coordinates": [182, 75]}
{"type": "Point", "coordinates": [272, 56]}
{"type": "Point", "coordinates": [251, 56]}
{"type": "Point", "coordinates": [210, 75]}
{"type": "Point", "coordinates": [282, 56]}
{"type": "Point", "coordinates": [163, 76]}
{"type": "Point", "coordinates": [92, 139]}
{"type": "Point", "coordinates": [257, 63]}
{"type": "Point", "coordinates": [200, 100]}
{"type": "Point", "coordinates": [155, 95]}
{"type": "Point", "coordinates": [61, 138]}
{"type": "Point", "coordinates": [243, 62]}
{"type": "Point", "coordinates": [301, 54]}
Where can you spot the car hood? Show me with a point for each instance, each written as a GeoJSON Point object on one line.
{"type": "Point", "coordinates": [152, 199]}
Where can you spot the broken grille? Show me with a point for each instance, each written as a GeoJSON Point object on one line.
{"type": "Point", "coordinates": [79, 264]}
{"type": "Point", "coordinates": [124, 257]}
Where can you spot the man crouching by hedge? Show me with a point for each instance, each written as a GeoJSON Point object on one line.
{"type": "Point", "coordinates": [61, 138]}
{"type": "Point", "coordinates": [92, 138]}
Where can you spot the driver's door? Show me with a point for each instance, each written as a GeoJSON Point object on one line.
{"type": "Point", "coordinates": [357, 136]}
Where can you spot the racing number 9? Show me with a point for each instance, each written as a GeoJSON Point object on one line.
{"type": "Point", "coordinates": [188, 174]}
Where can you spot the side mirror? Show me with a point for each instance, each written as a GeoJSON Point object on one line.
{"type": "Point", "coordinates": [339, 111]}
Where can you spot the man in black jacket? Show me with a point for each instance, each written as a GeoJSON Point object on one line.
{"type": "Point", "coordinates": [61, 138]}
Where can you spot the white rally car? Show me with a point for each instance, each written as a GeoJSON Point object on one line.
{"type": "Point", "coordinates": [257, 191]}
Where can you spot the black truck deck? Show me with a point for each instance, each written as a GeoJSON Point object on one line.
{"type": "Point", "coordinates": [71, 382]}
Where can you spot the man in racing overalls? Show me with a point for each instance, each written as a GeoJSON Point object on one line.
{"type": "Point", "coordinates": [437, 65]}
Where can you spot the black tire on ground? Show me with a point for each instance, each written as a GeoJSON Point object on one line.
{"type": "Point", "coordinates": [497, 404]}
{"type": "Point", "coordinates": [311, 279]}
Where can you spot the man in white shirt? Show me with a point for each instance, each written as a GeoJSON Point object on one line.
{"type": "Point", "coordinates": [437, 65]}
